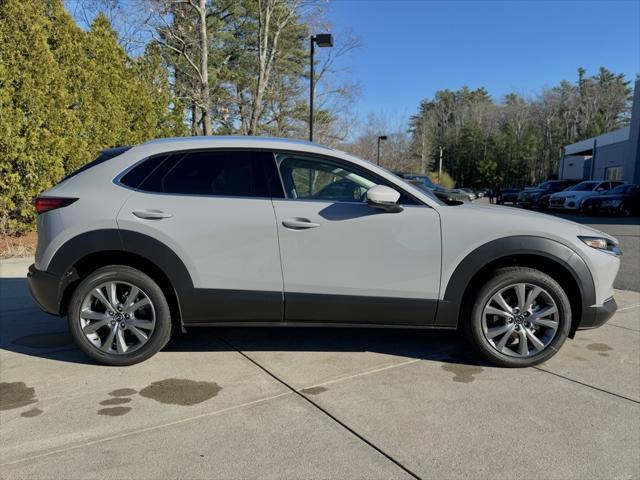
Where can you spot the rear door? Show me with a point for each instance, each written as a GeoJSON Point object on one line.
{"type": "Point", "coordinates": [346, 262]}
{"type": "Point", "coordinates": [213, 209]}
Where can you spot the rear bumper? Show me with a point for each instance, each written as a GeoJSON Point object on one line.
{"type": "Point", "coordinates": [44, 289]}
{"type": "Point", "coordinates": [597, 315]}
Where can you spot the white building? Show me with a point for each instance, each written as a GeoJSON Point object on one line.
{"type": "Point", "coordinates": [611, 156]}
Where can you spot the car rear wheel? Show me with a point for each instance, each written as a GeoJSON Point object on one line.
{"type": "Point", "coordinates": [625, 210]}
{"type": "Point", "coordinates": [520, 318]}
{"type": "Point", "coordinates": [119, 316]}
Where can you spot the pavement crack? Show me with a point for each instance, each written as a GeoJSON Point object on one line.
{"type": "Point", "coordinates": [587, 385]}
{"type": "Point", "coordinates": [323, 410]}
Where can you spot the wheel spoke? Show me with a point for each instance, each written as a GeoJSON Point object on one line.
{"type": "Point", "coordinates": [533, 294]}
{"type": "Point", "coordinates": [121, 345]}
{"type": "Point", "coordinates": [111, 291]}
{"type": "Point", "coordinates": [521, 289]}
{"type": "Point", "coordinates": [146, 324]}
{"type": "Point", "coordinates": [138, 333]}
{"type": "Point", "coordinates": [545, 322]}
{"type": "Point", "coordinates": [523, 349]}
{"type": "Point", "coordinates": [544, 312]}
{"type": "Point", "coordinates": [535, 341]}
{"type": "Point", "coordinates": [133, 293]}
{"type": "Point", "coordinates": [108, 342]}
{"type": "Point", "coordinates": [139, 304]}
{"type": "Point", "coordinates": [91, 315]}
{"type": "Point", "coordinates": [499, 299]}
{"type": "Point", "coordinates": [495, 311]}
{"type": "Point", "coordinates": [494, 332]}
{"type": "Point", "coordinates": [505, 338]}
{"type": "Point", "coordinates": [97, 292]}
{"type": "Point", "coordinates": [95, 326]}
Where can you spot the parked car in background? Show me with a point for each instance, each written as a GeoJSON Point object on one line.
{"type": "Point", "coordinates": [572, 198]}
{"type": "Point", "coordinates": [623, 200]}
{"type": "Point", "coordinates": [437, 193]}
{"type": "Point", "coordinates": [530, 197]}
{"type": "Point", "coordinates": [181, 233]}
{"type": "Point", "coordinates": [445, 194]}
{"type": "Point", "coordinates": [472, 194]}
{"type": "Point", "coordinates": [510, 195]}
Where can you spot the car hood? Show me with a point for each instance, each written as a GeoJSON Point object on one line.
{"type": "Point", "coordinates": [606, 197]}
{"type": "Point", "coordinates": [508, 221]}
{"type": "Point", "coordinates": [577, 193]}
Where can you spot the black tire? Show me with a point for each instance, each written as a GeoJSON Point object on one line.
{"type": "Point", "coordinates": [160, 334]}
{"type": "Point", "coordinates": [503, 278]}
{"type": "Point", "coordinates": [625, 210]}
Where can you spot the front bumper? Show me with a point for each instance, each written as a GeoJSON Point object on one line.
{"type": "Point", "coordinates": [596, 208]}
{"type": "Point", "coordinates": [597, 315]}
{"type": "Point", "coordinates": [45, 289]}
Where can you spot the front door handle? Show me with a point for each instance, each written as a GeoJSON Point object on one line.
{"type": "Point", "coordinates": [151, 214]}
{"type": "Point", "coordinates": [299, 223]}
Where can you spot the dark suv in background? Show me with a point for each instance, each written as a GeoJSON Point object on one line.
{"type": "Point", "coordinates": [531, 197]}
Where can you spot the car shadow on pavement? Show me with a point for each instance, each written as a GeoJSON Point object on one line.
{"type": "Point", "coordinates": [26, 330]}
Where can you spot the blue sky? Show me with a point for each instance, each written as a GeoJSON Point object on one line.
{"type": "Point", "coordinates": [414, 48]}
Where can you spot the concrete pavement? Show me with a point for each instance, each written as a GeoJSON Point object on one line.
{"type": "Point", "coordinates": [314, 403]}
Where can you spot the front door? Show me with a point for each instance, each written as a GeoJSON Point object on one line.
{"type": "Point", "coordinates": [346, 262]}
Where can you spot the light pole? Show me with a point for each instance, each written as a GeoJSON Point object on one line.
{"type": "Point", "coordinates": [380, 137]}
{"type": "Point", "coordinates": [322, 40]}
{"type": "Point", "coordinates": [440, 168]}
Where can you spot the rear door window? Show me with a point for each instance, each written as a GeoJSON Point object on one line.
{"type": "Point", "coordinates": [210, 173]}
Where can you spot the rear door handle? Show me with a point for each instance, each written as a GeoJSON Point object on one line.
{"type": "Point", "coordinates": [299, 223]}
{"type": "Point", "coordinates": [151, 214]}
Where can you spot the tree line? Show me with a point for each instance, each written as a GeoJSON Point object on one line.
{"type": "Point", "coordinates": [84, 75]}
{"type": "Point", "coordinates": [517, 141]}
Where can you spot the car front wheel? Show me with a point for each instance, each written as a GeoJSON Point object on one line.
{"type": "Point", "coordinates": [119, 316]}
{"type": "Point", "coordinates": [520, 318]}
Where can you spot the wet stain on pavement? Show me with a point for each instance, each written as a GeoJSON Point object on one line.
{"type": "Point", "coordinates": [176, 391]}
{"type": "Point", "coordinates": [34, 412]}
{"type": "Point", "coordinates": [313, 390]}
{"type": "Point", "coordinates": [115, 401]}
{"type": "Point", "coordinates": [462, 373]}
{"type": "Point", "coordinates": [16, 395]}
{"type": "Point", "coordinates": [45, 340]}
{"type": "Point", "coordinates": [603, 354]}
{"type": "Point", "coordinates": [123, 392]}
{"type": "Point", "coordinates": [599, 347]}
{"type": "Point", "coordinates": [115, 411]}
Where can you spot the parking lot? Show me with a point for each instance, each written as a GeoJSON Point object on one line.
{"type": "Point", "coordinates": [319, 403]}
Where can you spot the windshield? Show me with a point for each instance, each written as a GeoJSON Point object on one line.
{"type": "Point", "coordinates": [584, 187]}
{"type": "Point", "coordinates": [545, 185]}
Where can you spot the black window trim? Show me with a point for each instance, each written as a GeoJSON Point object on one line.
{"type": "Point", "coordinates": [273, 152]}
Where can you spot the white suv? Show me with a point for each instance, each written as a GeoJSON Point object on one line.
{"type": "Point", "coordinates": [572, 197]}
{"type": "Point", "coordinates": [188, 232]}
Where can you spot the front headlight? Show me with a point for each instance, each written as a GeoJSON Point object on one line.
{"type": "Point", "coordinates": [603, 244]}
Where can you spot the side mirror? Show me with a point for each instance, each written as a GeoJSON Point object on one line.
{"type": "Point", "coordinates": [384, 198]}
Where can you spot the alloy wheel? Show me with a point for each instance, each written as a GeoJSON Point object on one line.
{"type": "Point", "coordinates": [117, 317]}
{"type": "Point", "coordinates": [520, 320]}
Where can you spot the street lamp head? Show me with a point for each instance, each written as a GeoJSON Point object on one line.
{"type": "Point", "coordinates": [382, 137]}
{"type": "Point", "coordinates": [324, 40]}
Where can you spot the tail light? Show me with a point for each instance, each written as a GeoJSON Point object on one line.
{"type": "Point", "coordinates": [44, 204]}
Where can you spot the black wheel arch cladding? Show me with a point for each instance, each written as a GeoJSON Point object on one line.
{"type": "Point", "coordinates": [450, 306]}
